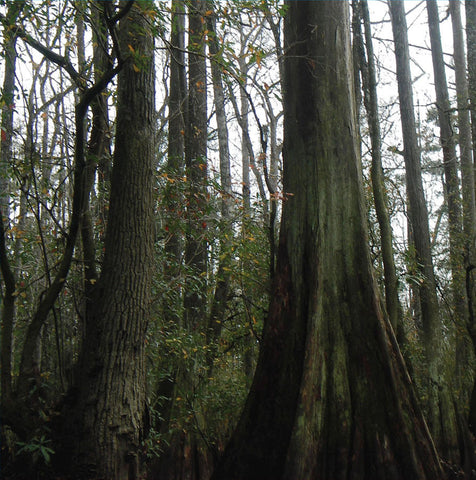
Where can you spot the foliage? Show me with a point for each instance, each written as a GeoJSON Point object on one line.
{"type": "Point", "coordinates": [39, 448]}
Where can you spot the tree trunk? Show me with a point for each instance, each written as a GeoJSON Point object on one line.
{"type": "Point", "coordinates": [98, 147]}
{"type": "Point", "coordinates": [110, 412]}
{"type": "Point", "coordinates": [465, 145]}
{"type": "Point", "coordinates": [223, 277]}
{"type": "Point", "coordinates": [196, 167]}
{"type": "Point", "coordinates": [452, 188]}
{"type": "Point", "coordinates": [470, 9]}
{"type": "Point", "coordinates": [463, 356]}
{"type": "Point", "coordinates": [369, 82]}
{"type": "Point", "coordinates": [174, 201]}
{"type": "Point", "coordinates": [175, 141]}
{"type": "Point", "coordinates": [467, 182]}
{"type": "Point", "coordinates": [6, 130]}
{"type": "Point", "coordinates": [439, 405]}
{"type": "Point", "coordinates": [331, 398]}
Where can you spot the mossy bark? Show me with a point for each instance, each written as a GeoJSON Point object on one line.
{"type": "Point", "coordinates": [331, 397]}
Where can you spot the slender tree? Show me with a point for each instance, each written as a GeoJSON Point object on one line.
{"type": "Point", "coordinates": [6, 131]}
{"type": "Point", "coordinates": [175, 141]}
{"type": "Point", "coordinates": [440, 410]}
{"type": "Point", "coordinates": [331, 397]}
{"type": "Point", "coordinates": [470, 10]}
{"type": "Point", "coordinates": [223, 281]}
{"type": "Point", "coordinates": [450, 166]}
{"type": "Point", "coordinates": [465, 144]}
{"type": "Point", "coordinates": [174, 200]}
{"type": "Point", "coordinates": [369, 84]}
{"type": "Point", "coordinates": [467, 178]}
{"type": "Point", "coordinates": [196, 165]}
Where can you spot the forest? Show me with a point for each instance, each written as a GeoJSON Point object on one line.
{"type": "Point", "coordinates": [238, 240]}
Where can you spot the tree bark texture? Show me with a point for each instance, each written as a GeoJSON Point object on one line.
{"type": "Point", "coordinates": [111, 407]}
{"type": "Point", "coordinates": [331, 397]}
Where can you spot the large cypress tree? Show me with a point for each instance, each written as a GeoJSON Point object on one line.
{"type": "Point", "coordinates": [331, 397]}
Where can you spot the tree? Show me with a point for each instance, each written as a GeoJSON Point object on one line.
{"type": "Point", "coordinates": [440, 409]}
{"type": "Point", "coordinates": [465, 144]}
{"type": "Point", "coordinates": [28, 366]}
{"type": "Point", "coordinates": [467, 179]}
{"type": "Point", "coordinates": [174, 200]}
{"type": "Point", "coordinates": [196, 166]}
{"type": "Point", "coordinates": [109, 414]}
{"type": "Point", "coordinates": [223, 281]}
{"type": "Point", "coordinates": [331, 397]}
{"type": "Point", "coordinates": [470, 9]}
{"type": "Point", "coordinates": [6, 130]}
{"type": "Point", "coordinates": [452, 187]}
{"type": "Point", "coordinates": [369, 84]}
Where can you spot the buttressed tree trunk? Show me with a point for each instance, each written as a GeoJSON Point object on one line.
{"type": "Point", "coordinates": [111, 390]}
{"type": "Point", "coordinates": [331, 398]}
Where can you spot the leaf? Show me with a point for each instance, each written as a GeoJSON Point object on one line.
{"type": "Point", "coordinates": [131, 48]}
{"type": "Point", "coordinates": [136, 68]}
{"type": "Point", "coordinates": [45, 452]}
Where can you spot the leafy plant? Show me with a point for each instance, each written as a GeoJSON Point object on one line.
{"type": "Point", "coordinates": [38, 449]}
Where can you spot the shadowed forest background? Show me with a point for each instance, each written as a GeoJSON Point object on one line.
{"type": "Point", "coordinates": [238, 240]}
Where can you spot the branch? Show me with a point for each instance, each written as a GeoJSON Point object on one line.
{"type": "Point", "coordinates": [80, 195]}
{"type": "Point", "coordinates": [49, 54]}
{"type": "Point", "coordinates": [122, 13]}
{"type": "Point", "coordinates": [7, 273]}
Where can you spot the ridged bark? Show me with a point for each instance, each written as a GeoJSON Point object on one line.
{"type": "Point", "coordinates": [110, 410]}
{"type": "Point", "coordinates": [331, 398]}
